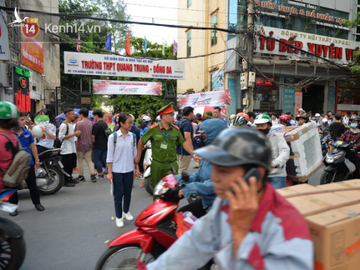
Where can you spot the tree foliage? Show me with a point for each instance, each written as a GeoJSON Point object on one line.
{"type": "Point", "coordinates": [355, 69]}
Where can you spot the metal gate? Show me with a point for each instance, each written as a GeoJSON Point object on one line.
{"type": "Point", "coordinates": [60, 98]}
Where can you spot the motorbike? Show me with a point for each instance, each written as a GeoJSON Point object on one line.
{"type": "Point", "coordinates": [325, 144]}
{"type": "Point", "coordinates": [155, 233]}
{"type": "Point", "coordinates": [338, 166]}
{"type": "Point", "coordinates": [50, 175]}
{"type": "Point", "coordinates": [12, 243]}
{"type": "Point", "coordinates": [147, 169]}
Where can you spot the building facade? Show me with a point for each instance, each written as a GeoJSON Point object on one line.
{"type": "Point", "coordinates": [34, 63]}
{"type": "Point", "coordinates": [311, 75]}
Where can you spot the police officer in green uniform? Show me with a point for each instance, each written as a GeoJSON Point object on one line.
{"type": "Point", "coordinates": [164, 137]}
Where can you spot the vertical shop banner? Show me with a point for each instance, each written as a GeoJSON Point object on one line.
{"type": "Point", "coordinates": [4, 39]}
{"type": "Point", "coordinates": [32, 54]}
{"type": "Point", "coordinates": [331, 99]}
{"type": "Point", "coordinates": [298, 101]}
{"type": "Point", "coordinates": [217, 80]}
{"type": "Point", "coordinates": [212, 99]}
{"type": "Point", "coordinates": [21, 79]}
{"type": "Point", "coordinates": [231, 83]}
{"type": "Point", "coordinates": [289, 100]}
{"type": "Point", "coordinates": [107, 87]}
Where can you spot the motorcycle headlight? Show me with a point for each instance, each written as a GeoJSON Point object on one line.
{"type": "Point", "coordinates": [329, 159]}
{"type": "Point", "coordinates": [160, 189]}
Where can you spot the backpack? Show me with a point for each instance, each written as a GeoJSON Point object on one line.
{"type": "Point", "coordinates": [19, 166]}
{"type": "Point", "coordinates": [57, 142]}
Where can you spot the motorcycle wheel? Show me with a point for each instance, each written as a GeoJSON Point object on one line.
{"type": "Point", "coordinates": [148, 185]}
{"type": "Point", "coordinates": [329, 177]}
{"type": "Point", "coordinates": [122, 257]}
{"type": "Point", "coordinates": [12, 253]}
{"type": "Point", "coordinates": [56, 181]}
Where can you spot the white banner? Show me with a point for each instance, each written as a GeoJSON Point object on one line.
{"type": "Point", "coordinates": [334, 49]}
{"type": "Point", "coordinates": [114, 65]}
{"type": "Point", "coordinates": [107, 87]}
{"type": "Point", "coordinates": [213, 99]}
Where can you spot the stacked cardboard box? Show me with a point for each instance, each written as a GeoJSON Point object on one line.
{"type": "Point", "coordinates": [333, 214]}
{"type": "Point", "coordinates": [305, 151]}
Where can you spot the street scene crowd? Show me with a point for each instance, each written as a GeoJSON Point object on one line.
{"type": "Point", "coordinates": [240, 162]}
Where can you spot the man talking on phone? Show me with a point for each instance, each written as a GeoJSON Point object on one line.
{"type": "Point", "coordinates": [250, 225]}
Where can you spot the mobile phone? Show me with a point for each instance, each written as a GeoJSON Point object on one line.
{"type": "Point", "coordinates": [254, 172]}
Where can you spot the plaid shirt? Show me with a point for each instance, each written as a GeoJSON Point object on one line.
{"type": "Point", "coordinates": [353, 138]}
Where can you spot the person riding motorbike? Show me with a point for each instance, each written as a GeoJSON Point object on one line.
{"type": "Point", "coordinates": [199, 182]}
{"type": "Point", "coordinates": [231, 119]}
{"type": "Point", "coordinates": [242, 119]}
{"type": "Point", "coordinates": [250, 225]}
{"type": "Point", "coordinates": [325, 127]}
{"type": "Point", "coordinates": [285, 120]}
{"type": "Point", "coordinates": [302, 119]}
{"type": "Point", "coordinates": [352, 136]}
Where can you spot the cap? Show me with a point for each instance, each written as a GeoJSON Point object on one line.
{"type": "Point", "coordinates": [166, 109]}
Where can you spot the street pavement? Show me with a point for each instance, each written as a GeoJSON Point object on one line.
{"type": "Point", "coordinates": [78, 222]}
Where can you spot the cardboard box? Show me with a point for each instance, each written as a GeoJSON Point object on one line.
{"type": "Point", "coordinates": [333, 215]}
{"type": "Point", "coordinates": [305, 151]}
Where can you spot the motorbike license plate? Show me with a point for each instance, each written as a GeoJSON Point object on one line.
{"type": "Point", "coordinates": [61, 165]}
{"type": "Point", "coordinates": [339, 142]}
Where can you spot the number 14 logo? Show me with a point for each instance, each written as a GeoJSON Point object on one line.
{"type": "Point", "coordinates": [30, 28]}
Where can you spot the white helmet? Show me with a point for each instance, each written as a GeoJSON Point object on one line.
{"type": "Point", "coordinates": [146, 119]}
{"type": "Point", "coordinates": [317, 114]}
{"type": "Point", "coordinates": [324, 120]}
{"type": "Point", "coordinates": [158, 118]}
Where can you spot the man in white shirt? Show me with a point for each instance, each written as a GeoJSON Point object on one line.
{"type": "Point", "coordinates": [68, 153]}
{"type": "Point", "coordinates": [346, 119]}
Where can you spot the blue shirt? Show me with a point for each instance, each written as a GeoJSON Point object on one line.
{"type": "Point", "coordinates": [185, 126]}
{"type": "Point", "coordinates": [26, 139]}
{"type": "Point", "coordinates": [142, 131]}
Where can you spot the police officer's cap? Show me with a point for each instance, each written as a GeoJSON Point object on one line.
{"type": "Point", "coordinates": [166, 109]}
{"type": "Point", "coordinates": [238, 146]}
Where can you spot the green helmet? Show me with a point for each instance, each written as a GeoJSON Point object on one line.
{"type": "Point", "coordinates": [262, 119]}
{"type": "Point", "coordinates": [8, 110]}
{"type": "Point", "coordinates": [304, 116]}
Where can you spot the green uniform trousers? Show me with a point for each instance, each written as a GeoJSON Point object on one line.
{"type": "Point", "coordinates": [160, 170]}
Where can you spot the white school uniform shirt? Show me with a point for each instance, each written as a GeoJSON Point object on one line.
{"type": "Point", "coordinates": [68, 145]}
{"type": "Point", "coordinates": [122, 157]}
{"type": "Point", "coordinates": [48, 142]}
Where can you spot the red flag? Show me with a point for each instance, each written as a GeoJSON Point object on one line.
{"type": "Point", "coordinates": [127, 49]}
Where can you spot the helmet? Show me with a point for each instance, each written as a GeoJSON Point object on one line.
{"type": "Point", "coordinates": [324, 120]}
{"type": "Point", "coordinates": [232, 116]}
{"type": "Point", "coordinates": [242, 114]}
{"type": "Point", "coordinates": [241, 120]}
{"type": "Point", "coordinates": [238, 146]}
{"type": "Point", "coordinates": [158, 118]}
{"type": "Point", "coordinates": [285, 118]}
{"type": "Point", "coordinates": [146, 119]}
{"type": "Point", "coordinates": [304, 116]}
{"type": "Point", "coordinates": [262, 119]}
{"type": "Point", "coordinates": [356, 118]}
{"type": "Point", "coordinates": [8, 110]}
{"type": "Point", "coordinates": [317, 114]}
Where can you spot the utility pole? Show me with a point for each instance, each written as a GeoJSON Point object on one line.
{"type": "Point", "coordinates": [250, 22]}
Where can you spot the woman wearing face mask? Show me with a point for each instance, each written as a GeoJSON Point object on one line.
{"type": "Point", "coordinates": [280, 151]}
{"type": "Point", "coordinates": [199, 182]}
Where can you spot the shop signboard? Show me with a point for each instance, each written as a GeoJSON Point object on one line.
{"type": "Point", "coordinates": [4, 39]}
{"type": "Point", "coordinates": [289, 100]}
{"type": "Point", "coordinates": [331, 98]}
{"type": "Point", "coordinates": [107, 87]}
{"type": "Point", "coordinates": [217, 80]}
{"type": "Point", "coordinates": [32, 54]}
{"type": "Point", "coordinates": [305, 45]}
{"type": "Point", "coordinates": [21, 79]}
{"type": "Point", "coordinates": [298, 101]}
{"type": "Point", "coordinates": [120, 66]}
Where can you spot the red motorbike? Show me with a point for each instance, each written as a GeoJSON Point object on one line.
{"type": "Point", "coordinates": [156, 231]}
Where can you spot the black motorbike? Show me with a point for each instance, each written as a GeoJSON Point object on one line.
{"type": "Point", "coordinates": [12, 243]}
{"type": "Point", "coordinates": [337, 162]}
{"type": "Point", "coordinates": [50, 176]}
{"type": "Point", "coordinates": [325, 144]}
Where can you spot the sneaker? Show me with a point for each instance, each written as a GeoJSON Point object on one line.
{"type": "Point", "coordinates": [128, 216]}
{"type": "Point", "coordinates": [81, 178]}
{"type": "Point", "coordinates": [67, 184]}
{"type": "Point", "coordinates": [119, 222]}
{"type": "Point", "coordinates": [73, 181]}
{"type": "Point", "coordinates": [93, 178]}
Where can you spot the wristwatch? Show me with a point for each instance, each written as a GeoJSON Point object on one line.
{"type": "Point", "coordinates": [38, 160]}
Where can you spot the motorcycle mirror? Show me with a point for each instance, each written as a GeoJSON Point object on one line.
{"type": "Point", "coordinates": [185, 176]}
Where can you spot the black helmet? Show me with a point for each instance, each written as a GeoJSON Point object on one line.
{"type": "Point", "coordinates": [238, 146]}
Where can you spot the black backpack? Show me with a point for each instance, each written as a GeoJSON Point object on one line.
{"type": "Point", "coordinates": [57, 142]}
